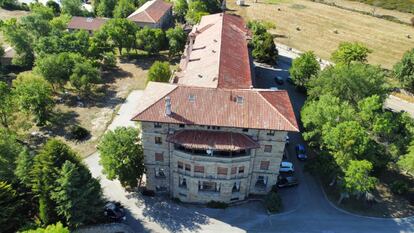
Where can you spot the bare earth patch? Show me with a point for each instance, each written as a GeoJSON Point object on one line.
{"type": "Point", "coordinates": [317, 24]}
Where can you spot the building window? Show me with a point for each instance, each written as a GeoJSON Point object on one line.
{"type": "Point", "coordinates": [181, 125]}
{"type": "Point", "coordinates": [159, 157]}
{"type": "Point", "coordinates": [208, 186]}
{"type": "Point", "coordinates": [268, 148]}
{"type": "Point", "coordinates": [245, 130]}
{"type": "Point", "coordinates": [236, 187]}
{"type": "Point", "coordinates": [158, 140]}
{"type": "Point", "coordinates": [199, 169]}
{"type": "Point", "coordinates": [180, 165]}
{"type": "Point", "coordinates": [159, 173]}
{"type": "Point", "coordinates": [271, 133]}
{"type": "Point", "coordinates": [160, 188]}
{"type": "Point", "coordinates": [233, 170]}
{"type": "Point", "coordinates": [188, 167]}
{"type": "Point", "coordinates": [222, 170]}
{"type": "Point", "coordinates": [157, 125]}
{"type": "Point", "coordinates": [261, 181]}
{"type": "Point", "coordinates": [215, 127]}
{"type": "Point", "coordinates": [182, 182]}
{"type": "Point", "coordinates": [241, 170]}
{"type": "Point", "coordinates": [264, 165]}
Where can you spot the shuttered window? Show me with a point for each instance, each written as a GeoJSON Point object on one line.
{"type": "Point", "coordinates": [222, 170]}
{"type": "Point", "coordinates": [199, 169]}
{"type": "Point", "coordinates": [159, 157]}
{"type": "Point", "coordinates": [264, 165]}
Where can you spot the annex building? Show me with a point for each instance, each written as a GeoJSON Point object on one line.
{"type": "Point", "coordinates": [209, 134]}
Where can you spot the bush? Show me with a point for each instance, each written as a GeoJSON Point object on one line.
{"type": "Point", "coordinates": [217, 205]}
{"type": "Point", "coordinates": [77, 132]}
{"type": "Point", "coordinates": [273, 202]}
{"type": "Point", "coordinates": [399, 187]}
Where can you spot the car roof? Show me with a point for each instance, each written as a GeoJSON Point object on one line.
{"type": "Point", "coordinates": [286, 164]}
{"type": "Point", "coordinates": [300, 146]}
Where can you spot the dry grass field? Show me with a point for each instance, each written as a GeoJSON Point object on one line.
{"type": "Point", "coordinates": [317, 23]}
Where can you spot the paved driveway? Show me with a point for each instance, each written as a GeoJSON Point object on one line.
{"type": "Point", "coordinates": [307, 210]}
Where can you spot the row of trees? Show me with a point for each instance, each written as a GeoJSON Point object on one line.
{"type": "Point", "coordinates": [262, 44]}
{"type": "Point", "coordinates": [52, 185]}
{"type": "Point", "coordinates": [192, 11]}
{"type": "Point", "coordinates": [344, 117]}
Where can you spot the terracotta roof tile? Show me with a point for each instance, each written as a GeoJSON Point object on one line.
{"type": "Point", "coordinates": [220, 140]}
{"type": "Point", "coordinates": [219, 107]}
{"type": "Point", "coordinates": [151, 11]}
{"type": "Point", "coordinates": [86, 23]}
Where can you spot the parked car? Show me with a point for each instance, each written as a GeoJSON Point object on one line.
{"type": "Point", "coordinates": [274, 88]}
{"type": "Point", "coordinates": [290, 80]}
{"type": "Point", "coordinates": [286, 167]}
{"type": "Point", "coordinates": [287, 181]}
{"type": "Point", "coordinates": [279, 80]}
{"type": "Point", "coordinates": [114, 211]}
{"type": "Point", "coordinates": [287, 140]}
{"type": "Point", "coordinates": [301, 152]}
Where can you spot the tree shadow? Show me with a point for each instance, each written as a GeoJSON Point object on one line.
{"type": "Point", "coordinates": [145, 61]}
{"type": "Point", "coordinates": [59, 121]}
{"type": "Point", "coordinates": [170, 216]}
{"type": "Point", "coordinates": [110, 75]}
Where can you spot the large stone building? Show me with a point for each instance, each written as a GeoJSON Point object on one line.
{"type": "Point", "coordinates": [209, 134]}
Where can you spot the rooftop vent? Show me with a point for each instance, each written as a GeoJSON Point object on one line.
{"type": "Point", "coordinates": [214, 51]}
{"type": "Point", "coordinates": [89, 19]}
{"type": "Point", "coordinates": [168, 106]}
{"type": "Point", "coordinates": [215, 40]}
{"type": "Point", "coordinates": [200, 76]}
{"type": "Point", "coordinates": [239, 99]}
{"type": "Point", "coordinates": [191, 98]}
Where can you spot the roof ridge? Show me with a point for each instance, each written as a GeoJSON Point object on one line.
{"type": "Point", "coordinates": [221, 53]}
{"type": "Point", "coordinates": [283, 116]}
{"type": "Point", "coordinates": [149, 106]}
{"type": "Point", "coordinates": [145, 11]}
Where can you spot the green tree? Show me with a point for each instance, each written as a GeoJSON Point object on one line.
{"type": "Point", "coordinates": [257, 27]}
{"type": "Point", "coordinates": [60, 23]}
{"type": "Point", "coordinates": [159, 72]}
{"type": "Point", "coordinates": [327, 111]}
{"type": "Point", "coordinates": [357, 177]}
{"type": "Point", "coordinates": [180, 9]}
{"type": "Point", "coordinates": [9, 150]}
{"type": "Point", "coordinates": [37, 23]}
{"type": "Point", "coordinates": [57, 68]}
{"type": "Point", "coordinates": [6, 105]}
{"type": "Point", "coordinates": [78, 195]}
{"type": "Point", "coordinates": [176, 40]}
{"type": "Point", "coordinates": [105, 8]}
{"type": "Point", "coordinates": [196, 10]}
{"type": "Point", "coordinates": [54, 228]}
{"type": "Point", "coordinates": [10, 205]}
{"type": "Point", "coordinates": [304, 68]}
{"type": "Point", "coordinates": [151, 40]}
{"type": "Point", "coordinates": [349, 52]}
{"type": "Point", "coordinates": [404, 70]}
{"type": "Point", "coordinates": [24, 164]}
{"type": "Point", "coordinates": [54, 6]}
{"type": "Point", "coordinates": [121, 32]}
{"type": "Point", "coordinates": [406, 162]}
{"type": "Point", "coordinates": [346, 141]}
{"type": "Point", "coordinates": [19, 38]}
{"type": "Point", "coordinates": [349, 83]}
{"type": "Point", "coordinates": [123, 9]}
{"type": "Point", "coordinates": [264, 48]}
{"type": "Point", "coordinates": [73, 7]}
{"type": "Point", "coordinates": [122, 156]}
{"type": "Point", "coordinates": [45, 172]}
{"type": "Point", "coordinates": [84, 77]}
{"type": "Point", "coordinates": [33, 95]}
{"type": "Point", "coordinates": [99, 45]}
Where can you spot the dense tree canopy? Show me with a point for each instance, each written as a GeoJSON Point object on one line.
{"type": "Point", "coordinates": [34, 96]}
{"type": "Point", "coordinates": [104, 8]}
{"type": "Point", "coordinates": [180, 9]}
{"type": "Point", "coordinates": [10, 205]}
{"type": "Point", "coordinates": [264, 48]}
{"type": "Point", "coordinates": [84, 77]}
{"type": "Point", "coordinates": [406, 162]}
{"type": "Point", "coordinates": [159, 72]}
{"type": "Point", "coordinates": [357, 177]}
{"type": "Point", "coordinates": [6, 104]}
{"type": "Point", "coordinates": [404, 70]}
{"type": "Point", "coordinates": [349, 83]}
{"type": "Point", "coordinates": [349, 52]}
{"type": "Point", "coordinates": [122, 155]}
{"type": "Point", "coordinates": [122, 33]}
{"type": "Point", "coordinates": [54, 228]}
{"type": "Point", "coordinates": [151, 40]}
{"type": "Point", "coordinates": [304, 68]}
{"type": "Point", "coordinates": [199, 8]}
{"type": "Point", "coordinates": [73, 7]}
{"type": "Point", "coordinates": [176, 40]}
{"type": "Point", "coordinates": [9, 151]}
{"type": "Point", "coordinates": [123, 9]}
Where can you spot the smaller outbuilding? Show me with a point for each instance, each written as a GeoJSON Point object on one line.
{"type": "Point", "coordinates": [153, 14]}
{"type": "Point", "coordinates": [7, 58]}
{"type": "Point", "coordinates": [86, 23]}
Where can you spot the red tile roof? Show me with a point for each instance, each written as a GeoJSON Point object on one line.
{"type": "Point", "coordinates": [86, 23]}
{"type": "Point", "coordinates": [151, 12]}
{"type": "Point", "coordinates": [203, 140]}
{"type": "Point", "coordinates": [257, 109]}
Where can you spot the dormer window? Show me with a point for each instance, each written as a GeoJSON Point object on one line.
{"type": "Point", "coordinates": [191, 98]}
{"type": "Point", "coordinates": [239, 99]}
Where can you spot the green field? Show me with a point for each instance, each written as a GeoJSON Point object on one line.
{"type": "Point", "coordinates": [400, 5]}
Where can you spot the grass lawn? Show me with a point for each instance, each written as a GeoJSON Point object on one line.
{"type": "Point", "coordinates": [96, 113]}
{"type": "Point", "coordinates": [317, 23]}
{"type": "Point", "coordinates": [388, 205]}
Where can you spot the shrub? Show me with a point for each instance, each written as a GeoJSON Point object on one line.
{"type": "Point", "coordinates": [77, 132]}
{"type": "Point", "coordinates": [399, 187]}
{"type": "Point", "coordinates": [217, 205]}
{"type": "Point", "coordinates": [273, 202]}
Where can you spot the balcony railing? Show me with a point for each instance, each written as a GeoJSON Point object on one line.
{"type": "Point", "coordinates": [219, 154]}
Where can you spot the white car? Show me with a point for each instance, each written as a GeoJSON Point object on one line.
{"type": "Point", "coordinates": [286, 167]}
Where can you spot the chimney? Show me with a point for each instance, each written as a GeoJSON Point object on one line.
{"type": "Point", "coordinates": [168, 106]}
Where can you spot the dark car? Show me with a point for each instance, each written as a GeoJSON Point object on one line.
{"type": "Point", "coordinates": [115, 211]}
{"type": "Point", "coordinates": [287, 181]}
{"type": "Point", "coordinates": [301, 152]}
{"type": "Point", "coordinates": [279, 80]}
